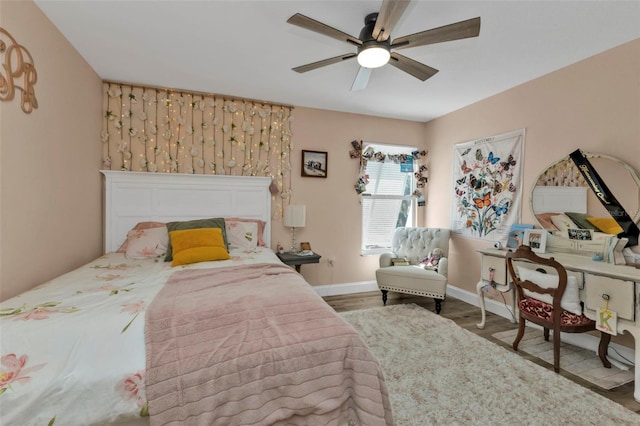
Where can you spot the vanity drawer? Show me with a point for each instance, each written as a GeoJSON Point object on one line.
{"type": "Point", "coordinates": [621, 295]}
{"type": "Point", "coordinates": [500, 267]}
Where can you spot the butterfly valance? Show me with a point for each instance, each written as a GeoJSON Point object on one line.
{"type": "Point", "coordinates": [416, 159]}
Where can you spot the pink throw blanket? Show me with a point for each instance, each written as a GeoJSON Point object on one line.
{"type": "Point", "coordinates": [255, 345]}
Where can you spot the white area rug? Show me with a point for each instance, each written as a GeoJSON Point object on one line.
{"type": "Point", "coordinates": [579, 361]}
{"type": "Point", "coordinates": [439, 373]}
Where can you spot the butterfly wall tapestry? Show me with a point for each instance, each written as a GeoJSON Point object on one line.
{"type": "Point", "coordinates": [487, 186]}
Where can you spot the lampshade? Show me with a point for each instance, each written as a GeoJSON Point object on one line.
{"type": "Point", "coordinates": [373, 56]}
{"type": "Point", "coordinates": [294, 216]}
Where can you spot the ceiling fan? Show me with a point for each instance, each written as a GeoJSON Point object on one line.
{"type": "Point", "coordinates": [374, 45]}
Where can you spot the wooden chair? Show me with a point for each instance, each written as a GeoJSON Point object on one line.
{"type": "Point", "coordinates": [540, 300]}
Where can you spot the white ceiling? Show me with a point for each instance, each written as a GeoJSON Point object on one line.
{"type": "Point", "coordinates": [247, 49]}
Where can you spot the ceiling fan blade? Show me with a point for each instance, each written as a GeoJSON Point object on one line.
{"type": "Point", "coordinates": [415, 68]}
{"type": "Point", "coordinates": [388, 17]}
{"type": "Point", "coordinates": [318, 27]}
{"type": "Point", "coordinates": [457, 31]}
{"type": "Point", "coordinates": [362, 79]}
{"type": "Point", "coordinates": [323, 63]}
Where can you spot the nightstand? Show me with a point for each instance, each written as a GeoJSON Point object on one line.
{"type": "Point", "coordinates": [293, 259]}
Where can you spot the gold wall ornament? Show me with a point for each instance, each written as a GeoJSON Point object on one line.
{"type": "Point", "coordinates": [17, 63]}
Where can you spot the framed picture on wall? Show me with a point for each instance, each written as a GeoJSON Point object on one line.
{"type": "Point", "coordinates": [536, 239]}
{"type": "Point", "coordinates": [314, 164]}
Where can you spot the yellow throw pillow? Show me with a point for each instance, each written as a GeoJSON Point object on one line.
{"type": "Point", "coordinates": [608, 225]}
{"type": "Point", "coordinates": [197, 245]}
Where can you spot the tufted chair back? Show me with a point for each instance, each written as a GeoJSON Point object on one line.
{"type": "Point", "coordinates": [416, 243]}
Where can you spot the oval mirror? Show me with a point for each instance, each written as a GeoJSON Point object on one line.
{"type": "Point", "coordinates": [561, 189]}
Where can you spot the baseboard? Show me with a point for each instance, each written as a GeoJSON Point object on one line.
{"type": "Point", "coordinates": [491, 305]}
{"type": "Point", "coordinates": [347, 288]}
{"type": "Point", "coordinates": [497, 307]}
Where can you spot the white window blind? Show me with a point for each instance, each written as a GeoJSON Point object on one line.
{"type": "Point", "coordinates": [388, 202]}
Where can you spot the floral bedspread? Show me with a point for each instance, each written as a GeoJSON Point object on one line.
{"type": "Point", "coordinates": [72, 350]}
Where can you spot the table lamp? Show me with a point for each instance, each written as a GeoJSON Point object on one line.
{"type": "Point", "coordinates": [294, 216]}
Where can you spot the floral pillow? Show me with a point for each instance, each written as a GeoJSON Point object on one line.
{"type": "Point", "coordinates": [563, 223]}
{"type": "Point", "coordinates": [139, 226]}
{"type": "Point", "coordinates": [545, 220]}
{"type": "Point", "coordinates": [261, 225]}
{"type": "Point", "coordinates": [145, 243]}
{"type": "Point", "coordinates": [241, 234]}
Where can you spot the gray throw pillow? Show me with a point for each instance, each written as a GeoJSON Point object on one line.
{"type": "Point", "coordinates": [580, 219]}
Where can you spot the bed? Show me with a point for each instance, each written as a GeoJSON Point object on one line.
{"type": "Point", "coordinates": [130, 339]}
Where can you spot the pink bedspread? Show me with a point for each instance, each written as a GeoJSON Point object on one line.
{"type": "Point", "coordinates": [255, 345]}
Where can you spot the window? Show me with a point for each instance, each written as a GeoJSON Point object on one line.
{"type": "Point", "coordinates": [388, 202]}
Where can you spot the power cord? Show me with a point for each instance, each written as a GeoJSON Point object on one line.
{"type": "Point", "coordinates": [504, 301]}
{"type": "Point", "coordinates": [492, 283]}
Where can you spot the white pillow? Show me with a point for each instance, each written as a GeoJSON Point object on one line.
{"type": "Point", "coordinates": [563, 222]}
{"type": "Point", "coordinates": [570, 299]}
{"type": "Point", "coordinates": [145, 243]}
{"type": "Point", "coordinates": [242, 234]}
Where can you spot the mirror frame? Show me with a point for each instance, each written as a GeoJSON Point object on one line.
{"type": "Point", "coordinates": [589, 155]}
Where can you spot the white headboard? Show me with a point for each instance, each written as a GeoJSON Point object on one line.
{"type": "Point", "coordinates": [559, 199]}
{"type": "Point", "coordinates": [132, 197]}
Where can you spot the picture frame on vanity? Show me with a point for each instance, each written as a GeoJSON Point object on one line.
{"type": "Point", "coordinates": [314, 164]}
{"type": "Point", "coordinates": [516, 234]}
{"type": "Point", "coordinates": [536, 239]}
{"type": "Point", "coordinates": [580, 234]}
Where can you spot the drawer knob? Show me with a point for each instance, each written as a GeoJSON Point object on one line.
{"type": "Point", "coordinates": [492, 274]}
{"type": "Point", "coordinates": [606, 296]}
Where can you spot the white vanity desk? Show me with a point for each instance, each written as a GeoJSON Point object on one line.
{"type": "Point", "coordinates": [596, 279]}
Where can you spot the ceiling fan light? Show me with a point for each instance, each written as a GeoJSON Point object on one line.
{"type": "Point", "coordinates": [373, 57]}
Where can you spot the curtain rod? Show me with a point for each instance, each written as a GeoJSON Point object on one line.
{"type": "Point", "coordinates": [195, 92]}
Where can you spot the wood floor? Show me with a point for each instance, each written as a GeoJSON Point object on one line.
{"type": "Point", "coordinates": [467, 316]}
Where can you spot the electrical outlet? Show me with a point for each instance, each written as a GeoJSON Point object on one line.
{"type": "Point", "coordinates": [332, 261]}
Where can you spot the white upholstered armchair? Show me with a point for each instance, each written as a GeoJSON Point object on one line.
{"type": "Point", "coordinates": [414, 245]}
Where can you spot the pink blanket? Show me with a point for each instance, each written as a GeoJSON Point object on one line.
{"type": "Point", "coordinates": [255, 345]}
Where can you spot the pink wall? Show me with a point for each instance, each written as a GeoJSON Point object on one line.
{"type": "Point", "coordinates": [58, 203]}
{"type": "Point", "coordinates": [51, 208]}
{"type": "Point", "coordinates": [333, 207]}
{"type": "Point", "coordinates": [593, 105]}
{"type": "Point", "coordinates": [50, 216]}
